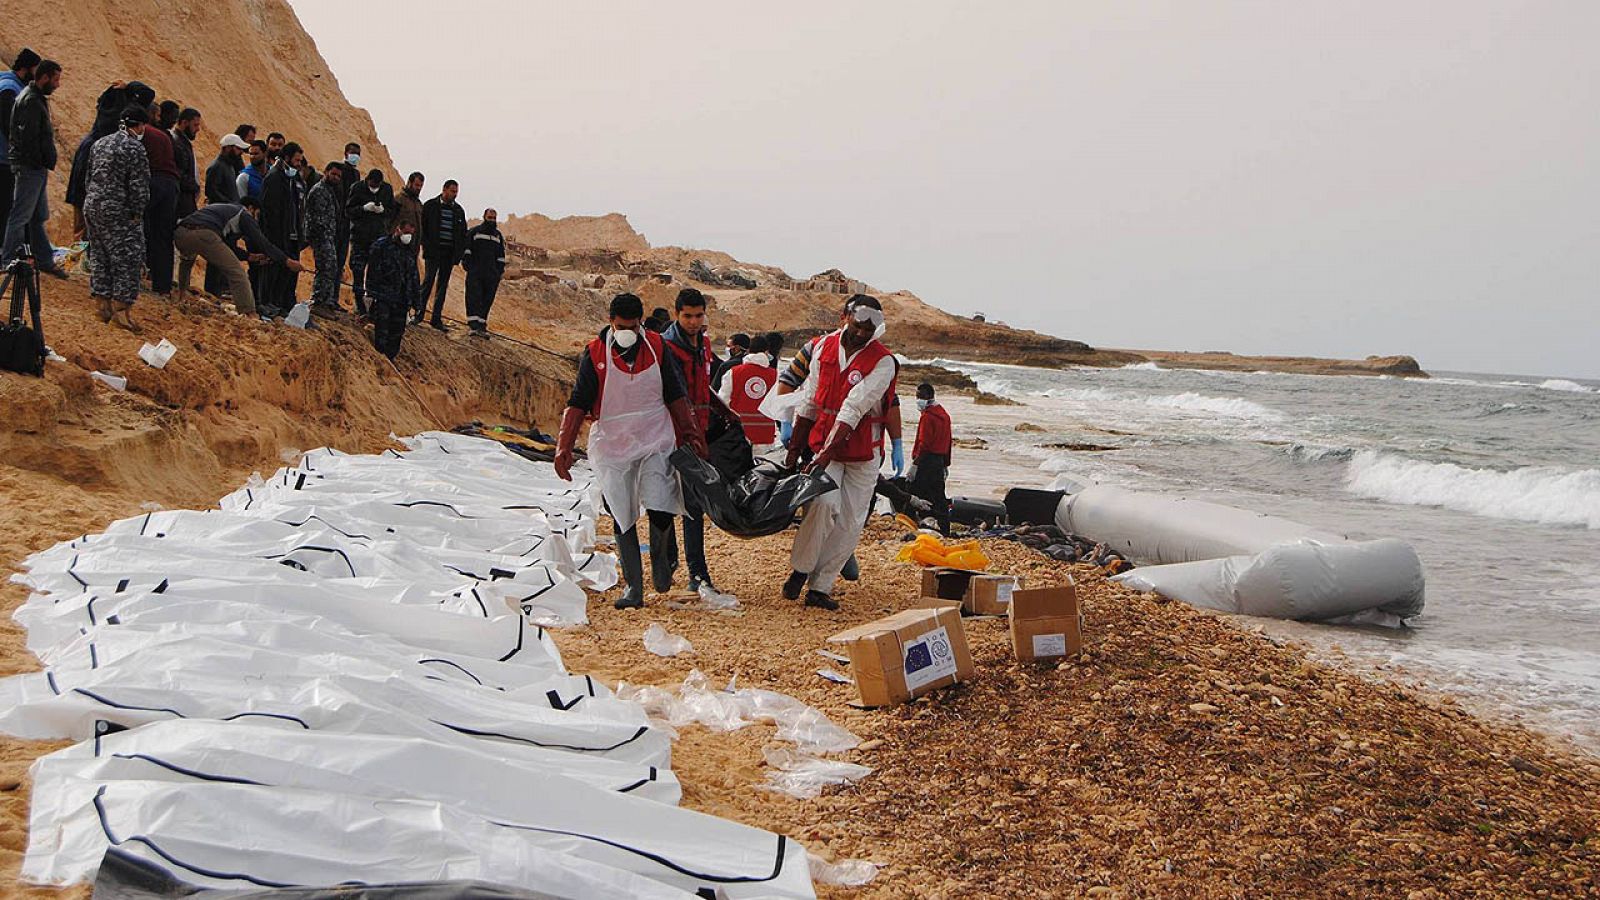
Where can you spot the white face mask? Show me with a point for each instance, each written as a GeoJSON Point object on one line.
{"type": "Point", "coordinates": [406, 238]}
{"type": "Point", "coordinates": [624, 338]}
{"type": "Point", "coordinates": [290, 171]}
{"type": "Point", "coordinates": [924, 404]}
{"type": "Point", "coordinates": [353, 159]}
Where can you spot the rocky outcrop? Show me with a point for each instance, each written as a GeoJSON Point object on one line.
{"type": "Point", "coordinates": [607, 232]}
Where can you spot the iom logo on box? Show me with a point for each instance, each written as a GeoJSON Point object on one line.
{"type": "Point", "coordinates": [928, 658]}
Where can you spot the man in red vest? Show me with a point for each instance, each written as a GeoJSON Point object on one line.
{"type": "Point", "coordinates": [930, 455]}
{"type": "Point", "coordinates": [842, 419]}
{"type": "Point", "coordinates": [686, 341]}
{"type": "Point", "coordinates": [630, 386]}
{"type": "Point", "coordinates": [743, 388]}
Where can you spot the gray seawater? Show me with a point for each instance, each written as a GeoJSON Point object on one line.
{"type": "Point", "coordinates": [1495, 480]}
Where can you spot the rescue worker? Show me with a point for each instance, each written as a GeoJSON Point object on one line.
{"type": "Point", "coordinates": [686, 339]}
{"type": "Point", "coordinates": [392, 281]}
{"type": "Point", "coordinates": [631, 388]}
{"type": "Point", "coordinates": [842, 417]}
{"type": "Point", "coordinates": [485, 262]}
{"type": "Point", "coordinates": [210, 232]}
{"type": "Point", "coordinates": [369, 206]}
{"type": "Point", "coordinates": [114, 203]}
{"type": "Point", "coordinates": [324, 210]}
{"type": "Point", "coordinates": [930, 455]}
{"type": "Point", "coordinates": [743, 388]}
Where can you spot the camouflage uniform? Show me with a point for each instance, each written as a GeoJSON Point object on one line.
{"type": "Point", "coordinates": [322, 228]}
{"type": "Point", "coordinates": [113, 208]}
{"type": "Point", "coordinates": [393, 288]}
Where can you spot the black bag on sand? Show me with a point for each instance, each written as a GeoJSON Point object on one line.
{"type": "Point", "coordinates": [22, 348]}
{"type": "Point", "coordinates": [763, 501]}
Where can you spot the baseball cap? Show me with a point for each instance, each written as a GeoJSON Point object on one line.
{"type": "Point", "coordinates": [233, 140]}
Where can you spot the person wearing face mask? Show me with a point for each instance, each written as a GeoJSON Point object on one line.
{"type": "Point", "coordinates": [349, 177]}
{"type": "Point", "coordinates": [485, 261]}
{"type": "Point", "coordinates": [392, 283]}
{"type": "Point", "coordinates": [323, 212]}
{"type": "Point", "coordinates": [283, 222]}
{"type": "Point", "coordinates": [631, 388]}
{"type": "Point", "coordinates": [930, 455]}
{"type": "Point", "coordinates": [842, 417]}
{"type": "Point", "coordinates": [210, 232]}
{"type": "Point", "coordinates": [31, 155]}
{"type": "Point", "coordinates": [117, 193]}
{"type": "Point", "coordinates": [744, 385]}
{"type": "Point", "coordinates": [369, 205]}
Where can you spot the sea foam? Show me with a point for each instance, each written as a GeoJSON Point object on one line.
{"type": "Point", "coordinates": [1562, 384]}
{"type": "Point", "coordinates": [1546, 495]}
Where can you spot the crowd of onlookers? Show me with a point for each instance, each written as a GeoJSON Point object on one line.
{"type": "Point", "coordinates": [146, 204]}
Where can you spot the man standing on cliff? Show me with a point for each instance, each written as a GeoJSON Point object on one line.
{"type": "Point", "coordinates": [283, 222]}
{"type": "Point", "coordinates": [31, 152]}
{"type": "Point", "coordinates": [485, 262]}
{"type": "Point", "coordinates": [12, 83]}
{"type": "Point", "coordinates": [369, 206]}
{"type": "Point", "coordinates": [630, 386]}
{"type": "Point", "coordinates": [444, 239]}
{"type": "Point", "coordinates": [686, 340]}
{"type": "Point", "coordinates": [392, 282]}
{"type": "Point", "coordinates": [842, 417]}
{"type": "Point", "coordinates": [183, 135]}
{"type": "Point", "coordinates": [930, 455]}
{"type": "Point", "coordinates": [117, 195]}
{"type": "Point", "coordinates": [324, 209]}
{"type": "Point", "coordinates": [161, 215]}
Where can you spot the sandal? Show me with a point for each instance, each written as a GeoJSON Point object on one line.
{"type": "Point", "coordinates": [123, 317]}
{"type": "Point", "coordinates": [102, 308]}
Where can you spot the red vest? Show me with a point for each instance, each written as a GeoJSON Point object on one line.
{"type": "Point", "coordinates": [697, 379]}
{"type": "Point", "coordinates": [750, 386]}
{"type": "Point", "coordinates": [833, 386]}
{"type": "Point", "coordinates": [933, 433]}
{"type": "Point", "coordinates": [641, 361]}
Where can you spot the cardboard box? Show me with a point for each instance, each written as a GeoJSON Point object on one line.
{"type": "Point", "coordinates": [1046, 623]}
{"type": "Point", "coordinates": [900, 657]}
{"type": "Point", "coordinates": [980, 594]}
{"type": "Point", "coordinates": [936, 603]}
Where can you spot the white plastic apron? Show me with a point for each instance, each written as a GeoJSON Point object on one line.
{"type": "Point", "coordinates": [630, 442]}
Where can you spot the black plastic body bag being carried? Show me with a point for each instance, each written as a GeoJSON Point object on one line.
{"type": "Point", "coordinates": [762, 501]}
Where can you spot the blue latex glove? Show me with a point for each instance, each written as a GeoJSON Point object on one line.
{"type": "Point", "coordinates": [897, 455]}
{"type": "Point", "coordinates": [785, 431]}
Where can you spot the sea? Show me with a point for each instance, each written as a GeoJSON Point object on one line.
{"type": "Point", "coordinates": [1494, 479]}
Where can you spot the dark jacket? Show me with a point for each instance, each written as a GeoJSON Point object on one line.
{"type": "Point", "coordinates": [222, 181]}
{"type": "Point", "coordinates": [78, 178]}
{"type": "Point", "coordinates": [485, 256]}
{"type": "Point", "coordinates": [365, 226]}
{"type": "Point", "coordinates": [10, 87]}
{"type": "Point", "coordinates": [283, 208]}
{"type": "Point", "coordinates": [232, 221]}
{"type": "Point", "coordinates": [407, 208]}
{"type": "Point", "coordinates": [392, 274]}
{"type": "Point", "coordinates": [32, 137]}
{"type": "Point", "coordinates": [188, 184]}
{"type": "Point", "coordinates": [437, 246]}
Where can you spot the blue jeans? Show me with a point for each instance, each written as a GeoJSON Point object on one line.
{"type": "Point", "coordinates": [29, 211]}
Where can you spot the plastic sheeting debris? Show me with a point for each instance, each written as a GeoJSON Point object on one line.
{"type": "Point", "coordinates": [339, 676]}
{"type": "Point", "coordinates": [662, 642]}
{"type": "Point", "coordinates": [807, 727]}
{"type": "Point", "coordinates": [845, 873]}
{"type": "Point", "coordinates": [803, 776]}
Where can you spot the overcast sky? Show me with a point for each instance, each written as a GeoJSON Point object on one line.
{"type": "Point", "coordinates": [1336, 179]}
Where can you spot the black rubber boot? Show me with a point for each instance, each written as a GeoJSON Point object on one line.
{"type": "Point", "coordinates": [663, 551]}
{"type": "Point", "coordinates": [821, 600]}
{"type": "Point", "coordinates": [851, 570]}
{"type": "Point", "coordinates": [795, 584]}
{"type": "Point", "coordinates": [632, 570]}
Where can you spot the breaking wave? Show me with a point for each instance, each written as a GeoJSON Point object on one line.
{"type": "Point", "coordinates": [1223, 406]}
{"type": "Point", "coordinates": [1546, 495]}
{"type": "Point", "coordinates": [1571, 387]}
{"type": "Point", "coordinates": [1312, 453]}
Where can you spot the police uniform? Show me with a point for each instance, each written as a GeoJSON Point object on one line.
{"type": "Point", "coordinates": [322, 233]}
{"type": "Point", "coordinates": [393, 287]}
{"type": "Point", "coordinates": [113, 207]}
